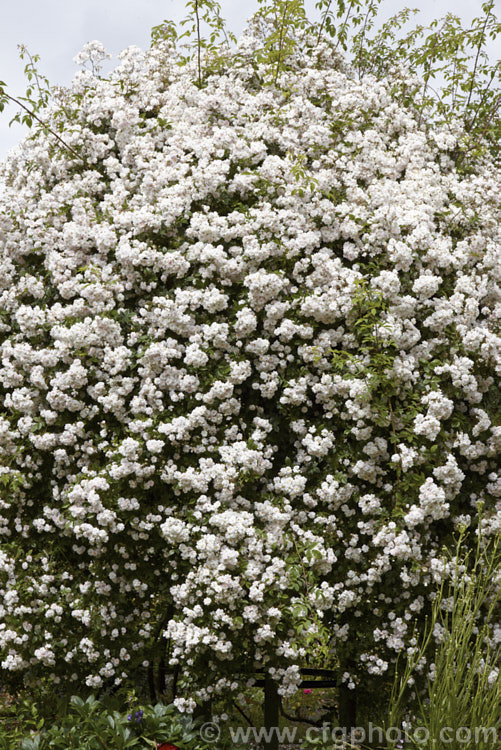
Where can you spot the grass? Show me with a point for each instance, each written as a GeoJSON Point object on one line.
{"type": "Point", "coordinates": [461, 705]}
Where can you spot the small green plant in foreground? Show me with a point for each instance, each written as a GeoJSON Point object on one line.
{"type": "Point", "coordinates": [91, 725]}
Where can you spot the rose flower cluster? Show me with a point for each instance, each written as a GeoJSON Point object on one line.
{"type": "Point", "coordinates": [249, 370]}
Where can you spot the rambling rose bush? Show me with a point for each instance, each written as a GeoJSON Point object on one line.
{"type": "Point", "coordinates": [250, 360]}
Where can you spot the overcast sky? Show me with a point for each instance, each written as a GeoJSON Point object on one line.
{"type": "Point", "coordinates": [57, 30]}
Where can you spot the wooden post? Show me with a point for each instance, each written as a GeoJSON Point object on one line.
{"type": "Point", "coordinates": [151, 683]}
{"type": "Point", "coordinates": [271, 713]}
{"type": "Point", "coordinates": [347, 714]}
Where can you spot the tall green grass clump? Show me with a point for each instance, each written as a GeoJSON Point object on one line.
{"type": "Point", "coordinates": [461, 706]}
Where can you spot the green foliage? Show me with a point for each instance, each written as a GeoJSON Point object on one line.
{"type": "Point", "coordinates": [96, 725]}
{"type": "Point", "coordinates": [284, 17]}
{"type": "Point", "coordinates": [374, 354]}
{"type": "Point", "coordinates": [372, 359]}
{"type": "Point", "coordinates": [201, 12]}
{"type": "Point", "coordinates": [164, 32]}
{"type": "Point", "coordinates": [36, 99]}
{"type": "Point", "coordinates": [38, 91]}
{"type": "Point", "coordinates": [466, 688]}
{"type": "Point", "coordinates": [298, 170]}
{"type": "Point", "coordinates": [337, 22]}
